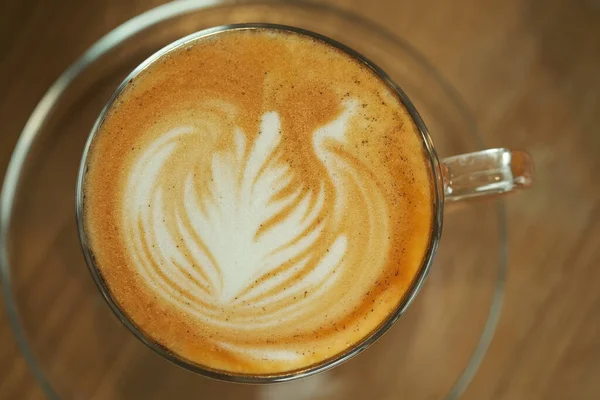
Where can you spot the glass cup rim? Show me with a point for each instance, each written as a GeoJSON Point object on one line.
{"type": "Point", "coordinates": [356, 348]}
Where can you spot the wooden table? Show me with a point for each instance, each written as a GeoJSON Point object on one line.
{"type": "Point", "coordinates": [530, 71]}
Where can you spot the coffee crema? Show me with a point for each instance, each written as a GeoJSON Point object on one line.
{"type": "Point", "coordinates": [257, 201]}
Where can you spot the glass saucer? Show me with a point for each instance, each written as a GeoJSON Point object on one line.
{"type": "Point", "coordinates": [76, 347]}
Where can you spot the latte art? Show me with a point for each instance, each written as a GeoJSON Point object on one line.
{"type": "Point", "coordinates": [242, 235]}
{"type": "Point", "coordinates": [240, 242]}
{"type": "Point", "coordinates": [263, 218]}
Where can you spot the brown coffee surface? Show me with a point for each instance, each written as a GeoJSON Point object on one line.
{"type": "Point", "coordinates": [258, 201]}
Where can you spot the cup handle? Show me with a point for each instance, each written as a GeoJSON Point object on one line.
{"type": "Point", "coordinates": [486, 173]}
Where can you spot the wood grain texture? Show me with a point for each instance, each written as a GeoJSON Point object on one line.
{"type": "Point", "coordinates": [530, 72]}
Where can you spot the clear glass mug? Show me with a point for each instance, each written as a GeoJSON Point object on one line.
{"type": "Point", "coordinates": [467, 176]}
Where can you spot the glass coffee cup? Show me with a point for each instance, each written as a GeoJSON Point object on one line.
{"type": "Point", "coordinates": [462, 177]}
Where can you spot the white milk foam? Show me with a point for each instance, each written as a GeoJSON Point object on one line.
{"type": "Point", "coordinates": [208, 252]}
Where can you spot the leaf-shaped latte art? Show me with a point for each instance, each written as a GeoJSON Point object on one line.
{"type": "Point", "coordinates": [234, 238]}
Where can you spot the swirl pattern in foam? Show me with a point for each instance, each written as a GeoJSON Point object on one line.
{"type": "Point", "coordinates": [249, 238]}
{"type": "Point", "coordinates": [261, 218]}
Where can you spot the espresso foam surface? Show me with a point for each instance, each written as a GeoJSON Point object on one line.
{"type": "Point", "coordinates": [258, 201]}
